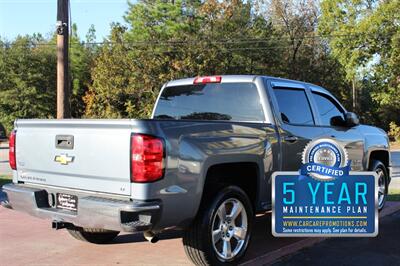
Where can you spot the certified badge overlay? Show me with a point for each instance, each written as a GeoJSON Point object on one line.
{"type": "Point", "coordinates": [325, 160]}
{"type": "Point", "coordinates": [324, 198]}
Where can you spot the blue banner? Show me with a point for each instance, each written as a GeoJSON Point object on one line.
{"type": "Point", "coordinates": [303, 206]}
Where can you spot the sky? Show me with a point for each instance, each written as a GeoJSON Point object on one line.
{"type": "Point", "coordinates": [20, 17]}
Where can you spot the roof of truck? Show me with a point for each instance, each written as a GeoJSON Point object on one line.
{"type": "Point", "coordinates": [245, 78]}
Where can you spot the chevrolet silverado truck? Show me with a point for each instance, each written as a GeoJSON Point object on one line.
{"type": "Point", "coordinates": [201, 164]}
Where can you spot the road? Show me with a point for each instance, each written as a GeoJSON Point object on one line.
{"type": "Point", "coordinates": [31, 240]}
{"type": "Point", "coordinates": [382, 250]}
{"type": "Point", "coordinates": [396, 163]}
{"type": "Point", "coordinates": [28, 240]}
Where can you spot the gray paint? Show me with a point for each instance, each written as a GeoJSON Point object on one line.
{"type": "Point", "coordinates": [101, 153]}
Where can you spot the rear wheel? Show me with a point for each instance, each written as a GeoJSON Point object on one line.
{"type": "Point", "coordinates": [93, 235]}
{"type": "Point", "coordinates": [221, 232]}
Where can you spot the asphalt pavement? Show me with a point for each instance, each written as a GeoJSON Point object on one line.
{"type": "Point", "coordinates": [29, 240]}
{"type": "Point", "coordinates": [396, 163]}
{"type": "Point", "coordinates": [381, 250]}
{"type": "Point", "coordinates": [26, 240]}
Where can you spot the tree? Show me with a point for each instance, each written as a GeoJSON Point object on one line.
{"type": "Point", "coordinates": [81, 61]}
{"type": "Point", "coordinates": [167, 40]}
{"type": "Point", "coordinates": [382, 41]}
{"type": "Point", "coordinates": [364, 37]}
{"type": "Point", "coordinates": [301, 53]}
{"type": "Point", "coordinates": [296, 20]}
{"type": "Point", "coordinates": [27, 79]}
{"type": "Point", "coordinates": [114, 92]}
{"type": "Point", "coordinates": [133, 64]}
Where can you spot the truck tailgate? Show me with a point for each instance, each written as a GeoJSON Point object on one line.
{"type": "Point", "coordinates": [91, 155]}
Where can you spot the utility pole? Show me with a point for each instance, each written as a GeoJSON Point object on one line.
{"type": "Point", "coordinates": [63, 92]}
{"type": "Point", "coordinates": [353, 83]}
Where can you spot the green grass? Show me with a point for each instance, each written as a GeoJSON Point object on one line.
{"type": "Point", "coordinates": [394, 195]}
{"type": "Point", "coordinates": [4, 179]}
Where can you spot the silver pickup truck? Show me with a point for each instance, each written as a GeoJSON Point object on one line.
{"type": "Point", "coordinates": [202, 164]}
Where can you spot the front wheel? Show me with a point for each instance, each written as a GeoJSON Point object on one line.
{"type": "Point", "coordinates": [380, 169]}
{"type": "Point", "coordinates": [221, 232]}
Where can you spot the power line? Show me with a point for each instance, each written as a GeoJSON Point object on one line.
{"type": "Point", "coordinates": [156, 50]}
{"type": "Point", "coordinates": [188, 42]}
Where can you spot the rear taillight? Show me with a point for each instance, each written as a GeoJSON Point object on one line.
{"type": "Point", "coordinates": [11, 151]}
{"type": "Point", "coordinates": [210, 79]}
{"type": "Point", "coordinates": [147, 158]}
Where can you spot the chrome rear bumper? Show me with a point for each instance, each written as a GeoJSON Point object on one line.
{"type": "Point", "coordinates": [93, 211]}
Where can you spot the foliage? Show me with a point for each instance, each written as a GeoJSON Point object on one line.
{"type": "Point", "coordinates": [113, 93]}
{"type": "Point", "coordinates": [175, 39]}
{"type": "Point", "coordinates": [81, 60]}
{"type": "Point", "coordinates": [394, 131]}
{"type": "Point", "coordinates": [335, 44]}
{"type": "Point", "coordinates": [364, 36]}
{"type": "Point", "coordinates": [28, 74]}
{"type": "Point", "coordinates": [4, 179]}
{"type": "Point", "coordinates": [394, 195]}
{"type": "Point", "coordinates": [27, 80]}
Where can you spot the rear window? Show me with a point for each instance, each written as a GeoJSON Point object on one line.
{"type": "Point", "coordinates": [222, 101]}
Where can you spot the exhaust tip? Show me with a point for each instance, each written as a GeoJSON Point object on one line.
{"type": "Point", "coordinates": [150, 236]}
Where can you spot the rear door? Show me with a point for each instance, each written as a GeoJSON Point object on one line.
{"type": "Point", "coordinates": [92, 155]}
{"type": "Point", "coordinates": [295, 119]}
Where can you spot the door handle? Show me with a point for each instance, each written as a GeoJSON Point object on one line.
{"type": "Point", "coordinates": [291, 139]}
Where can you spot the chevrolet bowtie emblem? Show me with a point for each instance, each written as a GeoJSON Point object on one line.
{"type": "Point", "coordinates": [64, 159]}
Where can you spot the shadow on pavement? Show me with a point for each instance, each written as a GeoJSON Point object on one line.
{"type": "Point", "coordinates": [261, 243]}
{"type": "Point", "coordinates": [381, 250]}
{"type": "Point", "coordinates": [138, 237]}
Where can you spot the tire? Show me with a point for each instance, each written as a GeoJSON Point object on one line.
{"type": "Point", "coordinates": [198, 239]}
{"type": "Point", "coordinates": [383, 184]}
{"type": "Point", "coordinates": [93, 235]}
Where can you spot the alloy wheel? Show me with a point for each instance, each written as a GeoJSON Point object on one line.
{"type": "Point", "coordinates": [229, 229]}
{"type": "Point", "coordinates": [381, 186]}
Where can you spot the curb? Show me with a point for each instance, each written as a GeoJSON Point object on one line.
{"type": "Point", "coordinates": [273, 256]}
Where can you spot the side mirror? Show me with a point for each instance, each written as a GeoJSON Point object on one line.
{"type": "Point", "coordinates": [338, 121]}
{"type": "Point", "coordinates": [352, 119]}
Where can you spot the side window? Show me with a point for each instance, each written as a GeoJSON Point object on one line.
{"type": "Point", "coordinates": [328, 110]}
{"type": "Point", "coordinates": [294, 107]}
